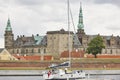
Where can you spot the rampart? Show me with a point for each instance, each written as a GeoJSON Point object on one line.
{"type": "Point", "coordinates": [74, 64]}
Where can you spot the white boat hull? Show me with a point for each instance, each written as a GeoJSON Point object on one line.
{"type": "Point", "coordinates": [64, 76]}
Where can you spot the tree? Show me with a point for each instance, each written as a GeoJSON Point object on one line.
{"type": "Point", "coordinates": [95, 46]}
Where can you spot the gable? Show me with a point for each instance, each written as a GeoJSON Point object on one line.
{"type": "Point", "coordinates": [4, 52]}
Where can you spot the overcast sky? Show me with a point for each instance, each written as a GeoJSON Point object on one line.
{"type": "Point", "coordinates": [39, 16]}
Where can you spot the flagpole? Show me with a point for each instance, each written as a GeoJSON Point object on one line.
{"type": "Point", "coordinates": [69, 33]}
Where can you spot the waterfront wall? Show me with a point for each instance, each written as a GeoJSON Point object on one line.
{"type": "Point", "coordinates": [40, 72]}
{"type": "Point", "coordinates": [46, 64]}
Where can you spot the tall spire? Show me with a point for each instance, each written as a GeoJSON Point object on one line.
{"type": "Point", "coordinates": [9, 36]}
{"type": "Point", "coordinates": [80, 22]}
{"type": "Point", "coordinates": [8, 27]}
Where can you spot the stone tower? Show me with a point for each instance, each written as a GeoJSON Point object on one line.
{"type": "Point", "coordinates": [80, 31]}
{"type": "Point", "coordinates": [57, 41]}
{"type": "Point", "coordinates": [80, 22]}
{"type": "Point", "coordinates": [8, 36]}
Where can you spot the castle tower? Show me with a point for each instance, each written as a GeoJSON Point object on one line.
{"type": "Point", "coordinates": [80, 32]}
{"type": "Point", "coordinates": [8, 36]}
{"type": "Point", "coordinates": [80, 22]}
{"type": "Point", "coordinates": [57, 42]}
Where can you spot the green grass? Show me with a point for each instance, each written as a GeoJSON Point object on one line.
{"type": "Point", "coordinates": [82, 60]}
{"type": "Point", "coordinates": [97, 60]}
{"type": "Point", "coordinates": [21, 68]}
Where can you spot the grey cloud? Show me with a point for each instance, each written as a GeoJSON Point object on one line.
{"type": "Point", "coordinates": [37, 2]}
{"type": "Point", "coordinates": [28, 2]}
{"type": "Point", "coordinates": [113, 28]}
{"type": "Point", "coordinates": [4, 4]}
{"type": "Point", "coordinates": [42, 2]}
{"type": "Point", "coordinates": [115, 2]}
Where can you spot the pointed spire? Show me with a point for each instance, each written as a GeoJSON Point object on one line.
{"type": "Point", "coordinates": [8, 27]}
{"type": "Point", "coordinates": [80, 22]}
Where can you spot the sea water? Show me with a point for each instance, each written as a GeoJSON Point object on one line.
{"type": "Point", "coordinates": [96, 77]}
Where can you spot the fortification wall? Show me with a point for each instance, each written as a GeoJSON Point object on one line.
{"type": "Point", "coordinates": [46, 64]}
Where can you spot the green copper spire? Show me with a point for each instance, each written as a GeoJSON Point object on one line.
{"type": "Point", "coordinates": [8, 27]}
{"type": "Point", "coordinates": [80, 22]}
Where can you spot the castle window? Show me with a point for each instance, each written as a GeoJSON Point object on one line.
{"type": "Point", "coordinates": [32, 50]}
{"type": "Point", "coordinates": [118, 43]}
{"type": "Point", "coordinates": [17, 51]}
{"type": "Point", "coordinates": [6, 42]}
{"type": "Point", "coordinates": [51, 38]}
{"type": "Point", "coordinates": [22, 51]}
{"type": "Point", "coordinates": [38, 50]}
{"type": "Point", "coordinates": [105, 51]}
{"type": "Point", "coordinates": [44, 50]}
{"type": "Point", "coordinates": [13, 51]}
{"type": "Point", "coordinates": [108, 42]}
{"type": "Point", "coordinates": [26, 50]}
{"type": "Point", "coordinates": [111, 51]}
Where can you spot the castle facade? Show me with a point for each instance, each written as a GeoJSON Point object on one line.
{"type": "Point", "coordinates": [55, 42]}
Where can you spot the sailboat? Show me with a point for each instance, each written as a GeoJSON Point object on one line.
{"type": "Point", "coordinates": [57, 73]}
{"type": "Point", "coordinates": [60, 71]}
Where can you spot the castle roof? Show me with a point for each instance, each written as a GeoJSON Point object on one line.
{"type": "Point", "coordinates": [80, 22]}
{"type": "Point", "coordinates": [30, 41]}
{"type": "Point", "coordinates": [62, 31]}
{"type": "Point", "coordinates": [8, 27]}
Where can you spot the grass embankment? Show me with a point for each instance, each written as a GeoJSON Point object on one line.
{"type": "Point", "coordinates": [36, 68]}
{"type": "Point", "coordinates": [90, 60]}
{"type": "Point", "coordinates": [98, 60]}
{"type": "Point", "coordinates": [21, 68]}
{"type": "Point", "coordinates": [82, 60]}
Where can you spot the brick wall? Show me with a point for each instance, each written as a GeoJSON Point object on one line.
{"type": "Point", "coordinates": [103, 56]}
{"type": "Point", "coordinates": [46, 64]}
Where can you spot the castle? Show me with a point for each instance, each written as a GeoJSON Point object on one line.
{"type": "Point", "coordinates": [55, 42]}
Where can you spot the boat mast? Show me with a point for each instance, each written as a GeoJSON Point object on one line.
{"type": "Point", "coordinates": [69, 31]}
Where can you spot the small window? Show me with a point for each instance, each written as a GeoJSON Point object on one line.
{"type": "Point", "coordinates": [26, 50]}
{"type": "Point", "coordinates": [38, 50]}
{"type": "Point", "coordinates": [13, 51]}
{"type": "Point", "coordinates": [32, 50]}
{"type": "Point", "coordinates": [17, 51]}
{"type": "Point", "coordinates": [44, 50]}
{"type": "Point", "coordinates": [111, 51]}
